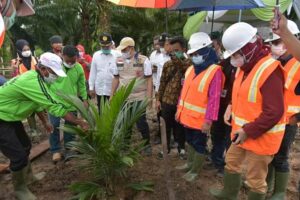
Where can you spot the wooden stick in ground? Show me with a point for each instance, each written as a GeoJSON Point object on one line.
{"type": "Point", "coordinates": [171, 193]}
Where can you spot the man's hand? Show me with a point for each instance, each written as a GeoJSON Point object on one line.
{"type": "Point", "coordinates": [227, 115]}
{"type": "Point", "coordinates": [48, 127]}
{"type": "Point", "coordinates": [92, 93]}
{"type": "Point", "coordinates": [242, 136]}
{"type": "Point", "coordinates": [293, 120]}
{"type": "Point", "coordinates": [86, 104]}
{"type": "Point", "coordinates": [158, 105]}
{"type": "Point", "coordinates": [282, 24]}
{"type": "Point", "coordinates": [206, 127]}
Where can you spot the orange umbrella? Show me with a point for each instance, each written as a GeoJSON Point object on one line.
{"type": "Point", "coordinates": [145, 3]}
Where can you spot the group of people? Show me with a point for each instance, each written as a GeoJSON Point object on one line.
{"type": "Point", "coordinates": [246, 98]}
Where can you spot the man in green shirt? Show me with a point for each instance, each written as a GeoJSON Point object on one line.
{"type": "Point", "coordinates": [20, 97]}
{"type": "Point", "coordinates": [73, 84]}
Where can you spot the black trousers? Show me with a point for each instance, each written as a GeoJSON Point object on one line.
{"type": "Point", "coordinates": [99, 97]}
{"type": "Point", "coordinates": [14, 144]}
{"type": "Point", "coordinates": [220, 137]}
{"type": "Point", "coordinates": [168, 113]}
{"type": "Point", "coordinates": [281, 158]}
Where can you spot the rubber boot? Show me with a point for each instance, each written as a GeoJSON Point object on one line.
{"type": "Point", "coordinates": [270, 178]}
{"type": "Point", "coordinates": [256, 196]}
{"type": "Point", "coordinates": [197, 165]}
{"type": "Point", "coordinates": [281, 182]}
{"type": "Point", "coordinates": [232, 185]}
{"type": "Point", "coordinates": [20, 187]}
{"type": "Point", "coordinates": [188, 165]}
{"type": "Point", "coordinates": [32, 178]}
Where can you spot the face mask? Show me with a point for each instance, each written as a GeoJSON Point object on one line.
{"type": "Point", "coordinates": [197, 60]}
{"type": "Point", "coordinates": [162, 50]}
{"type": "Point", "coordinates": [106, 51]}
{"type": "Point", "coordinates": [69, 66]}
{"type": "Point", "coordinates": [9, 21]}
{"type": "Point", "coordinates": [179, 55]}
{"type": "Point", "coordinates": [278, 50]}
{"type": "Point", "coordinates": [126, 55]}
{"type": "Point", "coordinates": [237, 62]}
{"type": "Point", "coordinates": [26, 54]}
{"type": "Point", "coordinates": [51, 78]}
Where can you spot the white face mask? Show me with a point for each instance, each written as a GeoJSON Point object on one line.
{"type": "Point", "coordinates": [162, 50]}
{"type": "Point", "coordinates": [126, 55]}
{"type": "Point", "coordinates": [51, 78]}
{"type": "Point", "coordinates": [197, 60]}
{"type": "Point", "coordinates": [68, 66]}
{"type": "Point", "coordinates": [26, 54]}
{"type": "Point", "coordinates": [278, 50]}
{"type": "Point", "coordinates": [237, 61]}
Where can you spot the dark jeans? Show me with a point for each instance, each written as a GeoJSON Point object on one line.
{"type": "Point", "coordinates": [168, 113]}
{"type": "Point", "coordinates": [220, 137]}
{"type": "Point", "coordinates": [54, 137]}
{"type": "Point", "coordinates": [196, 139]}
{"type": "Point", "coordinates": [105, 98]}
{"type": "Point", "coordinates": [281, 159]}
{"type": "Point", "coordinates": [14, 144]}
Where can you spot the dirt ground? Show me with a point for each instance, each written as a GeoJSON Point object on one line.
{"type": "Point", "coordinates": [59, 176]}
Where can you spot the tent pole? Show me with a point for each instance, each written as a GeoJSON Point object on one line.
{"type": "Point", "coordinates": [213, 19]}
{"type": "Point", "coordinates": [167, 15]}
{"type": "Point", "coordinates": [240, 15]}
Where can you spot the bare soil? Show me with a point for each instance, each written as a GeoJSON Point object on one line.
{"type": "Point", "coordinates": [55, 185]}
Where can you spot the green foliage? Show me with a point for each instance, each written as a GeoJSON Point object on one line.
{"type": "Point", "coordinates": [142, 186]}
{"type": "Point", "coordinates": [105, 151]}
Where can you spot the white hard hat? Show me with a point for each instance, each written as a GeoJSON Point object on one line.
{"type": "Point", "coordinates": [293, 28]}
{"type": "Point", "coordinates": [198, 41]}
{"type": "Point", "coordinates": [236, 37]}
{"type": "Point", "coordinates": [53, 62]}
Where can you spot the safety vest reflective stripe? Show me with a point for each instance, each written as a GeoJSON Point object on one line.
{"type": "Point", "coordinates": [192, 107]}
{"type": "Point", "coordinates": [241, 122]}
{"type": "Point", "coordinates": [254, 84]}
{"type": "Point", "coordinates": [188, 71]}
{"type": "Point", "coordinates": [293, 109]}
{"type": "Point", "coordinates": [205, 77]}
{"type": "Point", "coordinates": [292, 73]}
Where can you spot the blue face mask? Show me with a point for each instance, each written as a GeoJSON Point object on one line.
{"type": "Point", "coordinates": [106, 51]}
{"type": "Point", "coordinates": [10, 21]}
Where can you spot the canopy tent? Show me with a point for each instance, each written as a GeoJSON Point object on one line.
{"type": "Point", "coordinates": [257, 16]}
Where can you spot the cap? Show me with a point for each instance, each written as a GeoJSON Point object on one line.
{"type": "Point", "coordinates": [55, 39]}
{"type": "Point", "coordinates": [25, 8]}
{"type": "Point", "coordinates": [105, 39]}
{"type": "Point", "coordinates": [126, 42]}
{"type": "Point", "coordinates": [53, 62]}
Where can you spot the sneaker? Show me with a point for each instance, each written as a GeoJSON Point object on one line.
{"type": "Point", "coordinates": [182, 154]}
{"type": "Point", "coordinates": [220, 173]}
{"type": "Point", "coordinates": [56, 157]}
{"type": "Point", "coordinates": [160, 155]}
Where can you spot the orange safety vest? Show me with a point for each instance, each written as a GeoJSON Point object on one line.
{"type": "Point", "coordinates": [292, 69]}
{"type": "Point", "coordinates": [247, 106]}
{"type": "Point", "coordinates": [22, 69]}
{"type": "Point", "coordinates": [194, 97]}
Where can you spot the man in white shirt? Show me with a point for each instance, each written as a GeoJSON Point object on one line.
{"type": "Point", "coordinates": [158, 58]}
{"type": "Point", "coordinates": [102, 72]}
